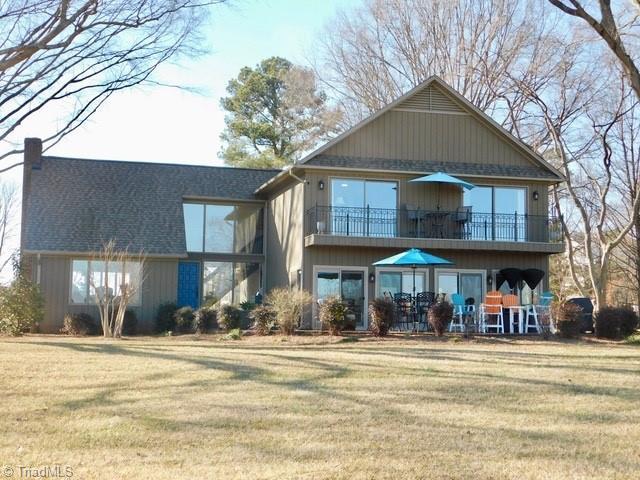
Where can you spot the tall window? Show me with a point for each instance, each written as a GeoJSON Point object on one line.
{"type": "Point", "coordinates": [89, 277]}
{"type": "Point", "coordinates": [215, 228]}
{"type": "Point", "coordinates": [364, 207]}
{"type": "Point", "coordinates": [498, 213]}
{"type": "Point", "coordinates": [228, 282]}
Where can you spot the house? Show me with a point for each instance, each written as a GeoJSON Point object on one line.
{"type": "Point", "coordinates": [226, 233]}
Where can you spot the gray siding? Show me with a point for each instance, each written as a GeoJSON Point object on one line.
{"type": "Point", "coordinates": [160, 285]}
{"type": "Point", "coordinates": [407, 135]}
{"type": "Point", "coordinates": [284, 236]}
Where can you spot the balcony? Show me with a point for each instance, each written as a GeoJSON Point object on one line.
{"type": "Point", "coordinates": [445, 229]}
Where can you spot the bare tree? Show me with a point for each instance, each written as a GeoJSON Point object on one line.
{"type": "Point", "coordinates": [57, 55]}
{"type": "Point", "coordinates": [8, 207]}
{"type": "Point", "coordinates": [116, 285]}
{"type": "Point", "coordinates": [580, 111]}
{"type": "Point", "coordinates": [372, 54]}
{"type": "Point", "coordinates": [618, 30]}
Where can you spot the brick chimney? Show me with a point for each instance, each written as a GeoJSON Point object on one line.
{"type": "Point", "coordinates": [33, 153]}
{"type": "Point", "coordinates": [32, 161]}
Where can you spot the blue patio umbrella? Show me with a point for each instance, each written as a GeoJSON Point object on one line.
{"type": "Point", "coordinates": [413, 258]}
{"type": "Point", "coordinates": [440, 178]}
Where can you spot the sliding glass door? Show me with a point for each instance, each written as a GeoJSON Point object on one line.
{"type": "Point", "coordinates": [467, 283]}
{"type": "Point", "coordinates": [497, 213]}
{"type": "Point", "coordinates": [363, 207]}
{"type": "Point", "coordinates": [349, 283]}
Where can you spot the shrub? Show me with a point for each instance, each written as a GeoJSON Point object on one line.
{"type": "Point", "coordinates": [79, 324]}
{"type": "Point", "coordinates": [164, 317]}
{"type": "Point", "coordinates": [288, 306]}
{"type": "Point", "coordinates": [381, 315]}
{"type": "Point", "coordinates": [628, 321]}
{"type": "Point", "coordinates": [263, 318]}
{"type": "Point", "coordinates": [615, 322]}
{"type": "Point", "coordinates": [183, 319]}
{"type": "Point", "coordinates": [332, 313]}
{"type": "Point", "coordinates": [130, 323]}
{"type": "Point", "coordinates": [228, 317]}
{"type": "Point", "coordinates": [440, 314]}
{"type": "Point", "coordinates": [233, 334]}
{"type": "Point", "coordinates": [204, 319]}
{"type": "Point", "coordinates": [247, 306]}
{"type": "Point", "coordinates": [21, 306]}
{"type": "Point", "coordinates": [568, 319]}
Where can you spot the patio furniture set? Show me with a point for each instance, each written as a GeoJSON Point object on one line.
{"type": "Point", "coordinates": [412, 313]}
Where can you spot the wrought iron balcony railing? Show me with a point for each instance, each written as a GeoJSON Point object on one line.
{"type": "Point", "coordinates": [462, 224]}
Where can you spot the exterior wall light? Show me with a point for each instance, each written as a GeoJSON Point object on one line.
{"type": "Point", "coordinates": [372, 278]}
{"type": "Point", "coordinates": [536, 195]}
{"type": "Point", "coordinates": [321, 185]}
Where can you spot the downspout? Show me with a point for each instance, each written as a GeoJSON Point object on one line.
{"type": "Point", "coordinates": [304, 192]}
{"type": "Point", "coordinates": [38, 269]}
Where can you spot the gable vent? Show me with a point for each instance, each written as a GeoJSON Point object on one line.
{"type": "Point", "coordinates": [430, 99]}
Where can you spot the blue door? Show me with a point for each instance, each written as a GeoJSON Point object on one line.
{"type": "Point", "coordinates": [189, 284]}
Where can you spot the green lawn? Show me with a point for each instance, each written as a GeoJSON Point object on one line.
{"type": "Point", "coordinates": [308, 407]}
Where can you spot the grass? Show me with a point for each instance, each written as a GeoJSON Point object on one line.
{"type": "Point", "coordinates": [317, 407]}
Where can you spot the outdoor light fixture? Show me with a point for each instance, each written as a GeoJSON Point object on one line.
{"type": "Point", "coordinates": [490, 280]}
{"type": "Point", "coordinates": [372, 277]}
{"type": "Point", "coordinates": [321, 185]}
{"type": "Point", "coordinates": [536, 195]}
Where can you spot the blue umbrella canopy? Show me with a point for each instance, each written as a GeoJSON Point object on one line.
{"type": "Point", "coordinates": [412, 257]}
{"type": "Point", "coordinates": [441, 177]}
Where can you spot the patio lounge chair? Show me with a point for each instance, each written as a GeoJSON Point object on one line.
{"type": "Point", "coordinates": [492, 306]}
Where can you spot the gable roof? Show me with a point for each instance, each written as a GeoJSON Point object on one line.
{"type": "Point", "coordinates": [74, 205]}
{"type": "Point", "coordinates": [423, 98]}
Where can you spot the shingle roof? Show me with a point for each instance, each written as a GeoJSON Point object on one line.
{"type": "Point", "coordinates": [75, 205]}
{"type": "Point", "coordinates": [459, 168]}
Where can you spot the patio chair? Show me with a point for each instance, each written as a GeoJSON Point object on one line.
{"type": "Point", "coordinates": [424, 300]}
{"type": "Point", "coordinates": [492, 306]}
{"type": "Point", "coordinates": [402, 302]}
{"type": "Point", "coordinates": [462, 218]}
{"type": "Point", "coordinates": [511, 302]}
{"type": "Point", "coordinates": [414, 218]}
{"type": "Point", "coordinates": [470, 305]}
{"type": "Point", "coordinates": [459, 313]}
{"type": "Point", "coordinates": [532, 312]}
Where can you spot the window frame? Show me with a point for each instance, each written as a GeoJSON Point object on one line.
{"type": "Point", "coordinates": [261, 207]}
{"type": "Point", "coordinates": [87, 301]}
{"type": "Point", "coordinates": [401, 271]}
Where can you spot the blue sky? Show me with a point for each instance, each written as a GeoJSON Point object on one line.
{"type": "Point", "coordinates": [169, 125]}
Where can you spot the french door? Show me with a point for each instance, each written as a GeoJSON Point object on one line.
{"type": "Point", "coordinates": [350, 284]}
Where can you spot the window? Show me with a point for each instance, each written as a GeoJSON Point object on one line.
{"type": "Point", "coordinates": [498, 213]}
{"type": "Point", "coordinates": [194, 226]}
{"type": "Point", "coordinates": [90, 278]}
{"type": "Point", "coordinates": [399, 281]}
{"type": "Point", "coordinates": [230, 282]}
{"type": "Point", "coordinates": [214, 228]}
{"type": "Point", "coordinates": [364, 207]}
